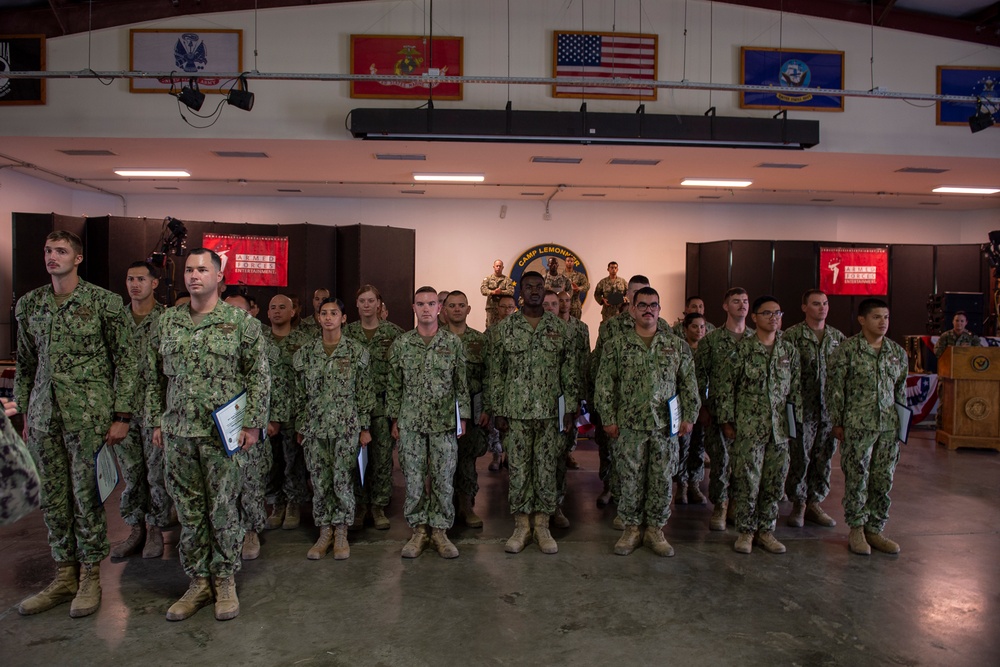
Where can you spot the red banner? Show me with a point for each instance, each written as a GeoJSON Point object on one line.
{"type": "Point", "coordinates": [854, 271]}
{"type": "Point", "coordinates": [251, 260]}
{"type": "Point", "coordinates": [410, 56]}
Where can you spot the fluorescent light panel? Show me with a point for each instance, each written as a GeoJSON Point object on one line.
{"type": "Point", "coordinates": [716, 183]}
{"type": "Point", "coordinates": [449, 178]}
{"type": "Point", "coordinates": [956, 190]}
{"type": "Point", "coordinates": [153, 173]}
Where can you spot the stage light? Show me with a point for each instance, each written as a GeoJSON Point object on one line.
{"type": "Point", "coordinates": [241, 97]}
{"type": "Point", "coordinates": [190, 96]}
{"type": "Point", "coordinates": [981, 120]}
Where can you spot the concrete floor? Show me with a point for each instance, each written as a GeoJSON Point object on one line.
{"type": "Point", "coordinates": [937, 603]}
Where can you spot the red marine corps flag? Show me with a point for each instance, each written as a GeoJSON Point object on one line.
{"type": "Point", "coordinates": [854, 271]}
{"type": "Point", "coordinates": [251, 260]}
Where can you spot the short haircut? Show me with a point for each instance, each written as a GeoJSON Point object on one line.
{"type": "Point", "coordinates": [552, 292]}
{"type": "Point", "coordinates": [335, 301]}
{"type": "Point", "coordinates": [143, 264]}
{"type": "Point", "coordinates": [645, 291]}
{"type": "Point", "coordinates": [69, 237]}
{"type": "Point", "coordinates": [732, 291]}
{"type": "Point", "coordinates": [809, 292]}
{"type": "Point", "coordinates": [691, 317]}
{"type": "Point", "coordinates": [456, 292]}
{"type": "Point", "coordinates": [532, 274]}
{"type": "Point", "coordinates": [321, 289]}
{"type": "Point", "coordinates": [507, 296]}
{"type": "Point", "coordinates": [426, 289]}
{"type": "Point", "coordinates": [216, 260]}
{"type": "Point", "coordinates": [687, 301]}
{"type": "Point", "coordinates": [868, 305]}
{"type": "Point", "coordinates": [369, 288]}
{"type": "Point", "coordinates": [761, 300]}
{"type": "Point", "coordinates": [237, 295]}
{"type": "Point", "coordinates": [612, 262]}
{"type": "Point", "coordinates": [959, 312]}
{"type": "Point", "coordinates": [638, 279]}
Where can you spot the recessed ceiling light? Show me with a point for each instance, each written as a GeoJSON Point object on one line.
{"type": "Point", "coordinates": [556, 160]}
{"type": "Point", "coordinates": [634, 163]}
{"type": "Point", "coordinates": [401, 156]}
{"type": "Point", "coordinates": [249, 154]}
{"type": "Point", "coordinates": [955, 190]}
{"type": "Point", "coordinates": [716, 182]}
{"type": "Point", "coordinates": [153, 173]}
{"type": "Point", "coordinates": [449, 178]}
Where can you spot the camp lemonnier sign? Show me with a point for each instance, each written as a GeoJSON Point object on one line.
{"type": "Point", "coordinates": [536, 258]}
{"type": "Point", "coordinates": [854, 271]}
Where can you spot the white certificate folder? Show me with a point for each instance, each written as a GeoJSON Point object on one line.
{"type": "Point", "coordinates": [229, 422]}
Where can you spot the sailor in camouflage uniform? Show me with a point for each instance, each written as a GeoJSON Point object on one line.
{"type": "Point", "coordinates": [752, 396]}
{"type": "Point", "coordinates": [691, 451]}
{"type": "Point", "coordinates": [427, 387]}
{"type": "Point", "coordinates": [145, 505]}
{"type": "Point", "coordinates": [959, 336]}
{"type": "Point", "coordinates": [495, 286]}
{"type": "Point", "coordinates": [866, 380]}
{"type": "Point", "coordinates": [608, 290]}
{"type": "Point", "coordinates": [205, 354]}
{"type": "Point", "coordinates": [811, 452]}
{"type": "Point", "coordinates": [377, 337]}
{"type": "Point", "coordinates": [334, 399]}
{"type": "Point", "coordinates": [19, 486]}
{"type": "Point", "coordinates": [693, 304]}
{"type": "Point", "coordinates": [532, 364]}
{"type": "Point", "coordinates": [555, 281]}
{"type": "Point", "coordinates": [580, 285]}
{"type": "Point", "coordinates": [76, 375]}
{"type": "Point", "coordinates": [309, 326]}
{"type": "Point", "coordinates": [640, 372]}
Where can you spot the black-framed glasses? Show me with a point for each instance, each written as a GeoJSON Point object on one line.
{"type": "Point", "coordinates": [770, 313]}
{"type": "Point", "coordinates": [642, 307]}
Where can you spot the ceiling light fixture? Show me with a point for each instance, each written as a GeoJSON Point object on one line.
{"type": "Point", "coordinates": [449, 178]}
{"type": "Point", "coordinates": [955, 190]}
{"type": "Point", "coordinates": [190, 96]}
{"type": "Point", "coordinates": [152, 173]}
{"type": "Point", "coordinates": [716, 183]}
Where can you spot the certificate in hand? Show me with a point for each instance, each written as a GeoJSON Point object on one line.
{"type": "Point", "coordinates": [674, 405]}
{"type": "Point", "coordinates": [229, 422]}
{"type": "Point", "coordinates": [105, 471]}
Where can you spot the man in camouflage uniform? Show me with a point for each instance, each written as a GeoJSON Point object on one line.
{"type": "Point", "coordinates": [693, 304]}
{"type": "Point", "coordinates": [310, 325]}
{"type": "Point", "coordinates": [377, 336]}
{"type": "Point", "coordinates": [640, 372]}
{"type": "Point", "coordinates": [579, 334]}
{"type": "Point", "coordinates": [752, 400]}
{"type": "Point", "coordinates": [555, 281]}
{"type": "Point", "coordinates": [811, 452]}
{"type": "Point", "coordinates": [608, 290]}
{"type": "Point", "coordinates": [145, 505]}
{"type": "Point", "coordinates": [334, 400]}
{"type": "Point", "coordinates": [203, 355]}
{"type": "Point", "coordinates": [715, 352]}
{"type": "Point", "coordinates": [19, 486]}
{"type": "Point", "coordinates": [956, 337]}
{"type": "Point", "coordinates": [427, 386]}
{"type": "Point", "coordinates": [580, 285]}
{"type": "Point", "coordinates": [495, 286]}
{"type": "Point", "coordinates": [531, 366]}
{"type": "Point", "coordinates": [289, 479]}
{"type": "Point", "coordinates": [76, 373]}
{"type": "Point", "coordinates": [867, 378]}
{"type": "Point", "coordinates": [472, 444]}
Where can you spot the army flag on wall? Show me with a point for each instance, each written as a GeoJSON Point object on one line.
{"type": "Point", "coordinates": [251, 260]}
{"type": "Point", "coordinates": [22, 53]}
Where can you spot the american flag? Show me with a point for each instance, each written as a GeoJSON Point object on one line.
{"type": "Point", "coordinates": [608, 56]}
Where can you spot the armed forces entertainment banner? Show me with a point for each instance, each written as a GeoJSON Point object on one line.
{"type": "Point", "coordinates": [854, 271]}
{"type": "Point", "coordinates": [251, 260]}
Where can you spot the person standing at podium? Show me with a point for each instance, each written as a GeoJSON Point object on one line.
{"type": "Point", "coordinates": [959, 336]}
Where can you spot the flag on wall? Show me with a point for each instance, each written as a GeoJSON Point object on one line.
{"type": "Point", "coordinates": [605, 55]}
{"type": "Point", "coordinates": [854, 271]}
{"type": "Point", "coordinates": [251, 260]}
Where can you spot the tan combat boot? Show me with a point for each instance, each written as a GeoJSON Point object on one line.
{"type": "Point", "coordinates": [543, 537]}
{"type": "Point", "coordinates": [857, 543]}
{"type": "Point", "coordinates": [695, 495]}
{"type": "Point", "coordinates": [251, 546]}
{"type": "Point", "coordinates": [718, 520]}
{"type": "Point", "coordinates": [381, 520]}
{"type": "Point", "coordinates": [154, 542]}
{"type": "Point", "coordinates": [797, 518]}
{"type": "Point", "coordinates": [276, 517]}
{"type": "Point", "coordinates": [559, 519]}
{"type": "Point", "coordinates": [744, 543]}
{"type": "Point", "coordinates": [131, 544]}
{"type": "Point", "coordinates": [443, 545]}
{"type": "Point", "coordinates": [816, 514]}
{"type": "Point", "coordinates": [629, 541]}
{"type": "Point", "coordinates": [617, 523]}
{"type": "Point", "coordinates": [657, 543]}
{"type": "Point", "coordinates": [880, 543]}
{"type": "Point", "coordinates": [469, 516]}
{"type": "Point", "coordinates": [227, 604]}
{"type": "Point", "coordinates": [521, 536]}
{"type": "Point", "coordinates": [417, 543]}
{"type": "Point", "coordinates": [62, 589]}
{"type": "Point", "coordinates": [769, 542]}
{"type": "Point", "coordinates": [341, 549]}
{"type": "Point", "coordinates": [681, 497]}
{"type": "Point", "coordinates": [292, 517]}
{"type": "Point", "coordinates": [88, 595]}
{"type": "Point", "coordinates": [322, 545]}
{"type": "Point", "coordinates": [198, 594]}
{"type": "Point", "coordinates": [359, 517]}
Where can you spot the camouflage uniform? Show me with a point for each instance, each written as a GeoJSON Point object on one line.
{"type": "Point", "coordinates": [558, 283]}
{"type": "Point", "coordinates": [426, 380]}
{"type": "Point", "coordinates": [811, 453]}
{"type": "Point", "coordinates": [377, 488]}
{"type": "Point", "coordinates": [678, 328]}
{"type": "Point", "coordinates": [490, 283]}
{"type": "Point", "coordinates": [18, 475]}
{"type": "Point", "coordinates": [198, 368]}
{"type": "Point", "coordinates": [289, 479]}
{"type": "Point", "coordinates": [579, 334]}
{"type": "Point", "coordinates": [144, 499]}
{"type": "Point", "coordinates": [259, 462]}
{"type": "Point", "coordinates": [308, 329]}
{"type": "Point", "coordinates": [605, 288]}
{"type": "Point", "coordinates": [473, 444]}
{"type": "Point", "coordinates": [691, 453]}
{"type": "Point", "coordinates": [528, 370]}
{"type": "Point", "coordinates": [634, 385]}
{"type": "Point", "coordinates": [752, 394]}
{"type": "Point", "coordinates": [75, 368]}
{"type": "Point", "coordinates": [580, 280]}
{"type": "Point", "coordinates": [862, 387]}
{"type": "Point", "coordinates": [949, 339]}
{"type": "Point", "coordinates": [333, 399]}
{"type": "Point", "coordinates": [715, 352]}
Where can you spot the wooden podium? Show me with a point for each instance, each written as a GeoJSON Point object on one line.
{"type": "Point", "coordinates": [969, 387]}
